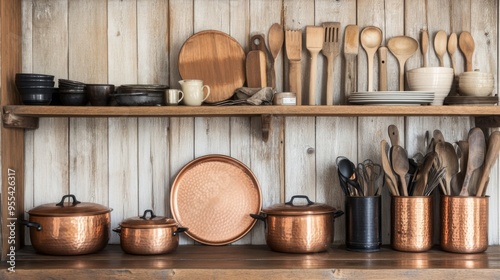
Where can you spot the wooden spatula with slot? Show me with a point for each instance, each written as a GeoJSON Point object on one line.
{"type": "Point", "coordinates": [331, 49]}
{"type": "Point", "coordinates": [293, 46]}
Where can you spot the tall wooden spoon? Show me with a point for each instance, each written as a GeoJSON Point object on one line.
{"type": "Point", "coordinates": [440, 42]}
{"type": "Point", "coordinates": [400, 165]}
{"type": "Point", "coordinates": [477, 146]}
{"type": "Point", "coordinates": [403, 47]}
{"type": "Point", "coordinates": [276, 36]}
{"type": "Point", "coordinates": [371, 38]}
{"type": "Point", "coordinates": [467, 45]}
{"type": "Point", "coordinates": [452, 48]}
{"type": "Point", "coordinates": [491, 157]}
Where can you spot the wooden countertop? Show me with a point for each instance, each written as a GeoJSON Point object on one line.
{"type": "Point", "coordinates": [256, 262]}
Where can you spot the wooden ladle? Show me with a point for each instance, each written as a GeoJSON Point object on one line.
{"type": "Point", "coordinates": [371, 38]}
{"type": "Point", "coordinates": [467, 45]}
{"type": "Point", "coordinates": [477, 146]}
{"type": "Point", "coordinates": [402, 47]}
{"type": "Point", "coordinates": [440, 42]}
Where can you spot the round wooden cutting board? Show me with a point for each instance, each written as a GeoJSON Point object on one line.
{"type": "Point", "coordinates": [217, 59]}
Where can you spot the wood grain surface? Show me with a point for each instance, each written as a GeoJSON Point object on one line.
{"type": "Point", "coordinates": [215, 58]}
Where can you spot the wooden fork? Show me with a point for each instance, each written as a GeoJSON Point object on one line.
{"type": "Point", "coordinates": [331, 49]}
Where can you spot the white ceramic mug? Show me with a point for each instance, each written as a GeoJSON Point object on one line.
{"type": "Point", "coordinates": [194, 92]}
{"type": "Point", "coordinates": [173, 96]}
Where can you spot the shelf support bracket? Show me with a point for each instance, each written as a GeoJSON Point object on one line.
{"type": "Point", "coordinates": [266, 126]}
{"type": "Point", "coordinates": [15, 121]}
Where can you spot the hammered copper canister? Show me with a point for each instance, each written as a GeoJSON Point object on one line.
{"type": "Point", "coordinates": [295, 227]}
{"type": "Point", "coordinates": [411, 223]}
{"type": "Point", "coordinates": [69, 228]}
{"type": "Point", "coordinates": [464, 224]}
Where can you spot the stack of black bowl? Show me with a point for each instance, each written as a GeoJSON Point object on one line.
{"type": "Point", "coordinates": [35, 89]}
{"type": "Point", "coordinates": [72, 93]}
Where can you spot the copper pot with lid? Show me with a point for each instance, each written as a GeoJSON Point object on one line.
{"type": "Point", "coordinates": [151, 235]}
{"type": "Point", "coordinates": [299, 228]}
{"type": "Point", "coordinates": [69, 228]}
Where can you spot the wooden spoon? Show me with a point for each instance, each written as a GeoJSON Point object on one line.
{"type": "Point", "coordinates": [386, 165]}
{"type": "Point", "coordinates": [371, 38]}
{"type": "Point", "coordinates": [477, 146]}
{"type": "Point", "coordinates": [393, 132]}
{"type": "Point", "coordinates": [403, 47]}
{"type": "Point", "coordinates": [491, 157]}
{"type": "Point", "coordinates": [467, 45]}
{"type": "Point", "coordinates": [276, 36]}
{"type": "Point", "coordinates": [425, 45]}
{"type": "Point", "coordinates": [438, 136]}
{"type": "Point", "coordinates": [400, 165]}
{"type": "Point", "coordinates": [452, 48]}
{"type": "Point", "coordinates": [449, 160]}
{"type": "Point", "coordinates": [440, 42]}
{"type": "Point", "coordinates": [463, 157]}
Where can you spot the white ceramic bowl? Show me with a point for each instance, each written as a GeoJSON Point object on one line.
{"type": "Point", "coordinates": [432, 70]}
{"type": "Point", "coordinates": [434, 79]}
{"type": "Point", "coordinates": [475, 90]}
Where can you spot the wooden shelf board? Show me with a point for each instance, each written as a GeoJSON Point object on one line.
{"type": "Point", "coordinates": [255, 261]}
{"type": "Point", "coordinates": [186, 111]}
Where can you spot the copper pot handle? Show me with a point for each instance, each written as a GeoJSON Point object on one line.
{"type": "Point", "coordinates": [37, 226]}
{"type": "Point", "coordinates": [150, 212]}
{"type": "Point", "coordinates": [75, 201]}
{"type": "Point", "coordinates": [261, 217]}
{"type": "Point", "coordinates": [179, 230]}
{"type": "Point", "coordinates": [118, 230]}
{"type": "Point", "coordinates": [309, 202]}
{"type": "Point", "coordinates": [338, 213]}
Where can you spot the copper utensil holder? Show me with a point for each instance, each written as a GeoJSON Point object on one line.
{"type": "Point", "coordinates": [464, 224]}
{"type": "Point", "coordinates": [411, 223]}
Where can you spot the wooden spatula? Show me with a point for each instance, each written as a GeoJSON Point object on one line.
{"type": "Point", "coordinates": [331, 49]}
{"type": "Point", "coordinates": [293, 46]}
{"type": "Point", "coordinates": [351, 47]}
{"type": "Point", "coordinates": [314, 43]}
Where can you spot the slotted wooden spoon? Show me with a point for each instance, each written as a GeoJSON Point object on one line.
{"type": "Point", "coordinates": [293, 45]}
{"type": "Point", "coordinates": [402, 47]}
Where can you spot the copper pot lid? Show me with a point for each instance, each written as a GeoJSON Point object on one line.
{"type": "Point", "coordinates": [69, 209]}
{"type": "Point", "coordinates": [214, 196]}
{"type": "Point", "coordinates": [145, 221]}
{"type": "Point", "coordinates": [294, 207]}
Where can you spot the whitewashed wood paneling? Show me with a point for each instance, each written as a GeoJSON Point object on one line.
{"type": "Point", "coordinates": [130, 163]}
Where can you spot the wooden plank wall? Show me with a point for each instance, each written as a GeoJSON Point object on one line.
{"type": "Point", "coordinates": [129, 163]}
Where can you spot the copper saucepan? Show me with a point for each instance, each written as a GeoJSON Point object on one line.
{"type": "Point", "coordinates": [149, 236]}
{"type": "Point", "coordinates": [299, 228]}
{"type": "Point", "coordinates": [69, 228]}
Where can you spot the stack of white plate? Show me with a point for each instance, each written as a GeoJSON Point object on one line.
{"type": "Point", "coordinates": [392, 98]}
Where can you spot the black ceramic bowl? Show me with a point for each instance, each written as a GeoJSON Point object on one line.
{"type": "Point", "coordinates": [33, 76]}
{"type": "Point", "coordinates": [73, 97]}
{"type": "Point", "coordinates": [36, 98]}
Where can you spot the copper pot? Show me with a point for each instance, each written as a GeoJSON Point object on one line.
{"type": "Point", "coordinates": [149, 236]}
{"type": "Point", "coordinates": [69, 228]}
{"type": "Point", "coordinates": [299, 228]}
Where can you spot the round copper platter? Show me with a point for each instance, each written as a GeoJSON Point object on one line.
{"type": "Point", "coordinates": [213, 196]}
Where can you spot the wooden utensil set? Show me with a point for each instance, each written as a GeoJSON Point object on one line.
{"type": "Point", "coordinates": [326, 39]}
{"type": "Point", "coordinates": [460, 169]}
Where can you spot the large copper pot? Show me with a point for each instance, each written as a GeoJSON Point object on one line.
{"type": "Point", "coordinates": [299, 228]}
{"type": "Point", "coordinates": [69, 228]}
{"type": "Point", "coordinates": [149, 236]}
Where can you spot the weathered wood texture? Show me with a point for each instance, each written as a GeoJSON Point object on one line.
{"type": "Point", "coordinates": [130, 163]}
{"type": "Point", "coordinates": [257, 262]}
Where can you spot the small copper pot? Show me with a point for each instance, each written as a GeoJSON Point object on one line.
{"type": "Point", "coordinates": [297, 228]}
{"type": "Point", "coordinates": [464, 224]}
{"type": "Point", "coordinates": [69, 228]}
{"type": "Point", "coordinates": [149, 236]}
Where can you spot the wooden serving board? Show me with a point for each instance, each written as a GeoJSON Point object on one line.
{"type": "Point", "coordinates": [217, 59]}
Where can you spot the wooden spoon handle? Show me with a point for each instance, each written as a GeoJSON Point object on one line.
{"type": "Point", "coordinates": [351, 78]}
{"type": "Point", "coordinates": [312, 78]}
{"type": "Point", "coordinates": [329, 81]}
{"type": "Point", "coordinates": [382, 62]}
{"type": "Point", "coordinates": [295, 80]}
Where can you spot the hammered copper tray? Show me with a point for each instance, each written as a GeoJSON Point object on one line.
{"type": "Point", "coordinates": [213, 196]}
